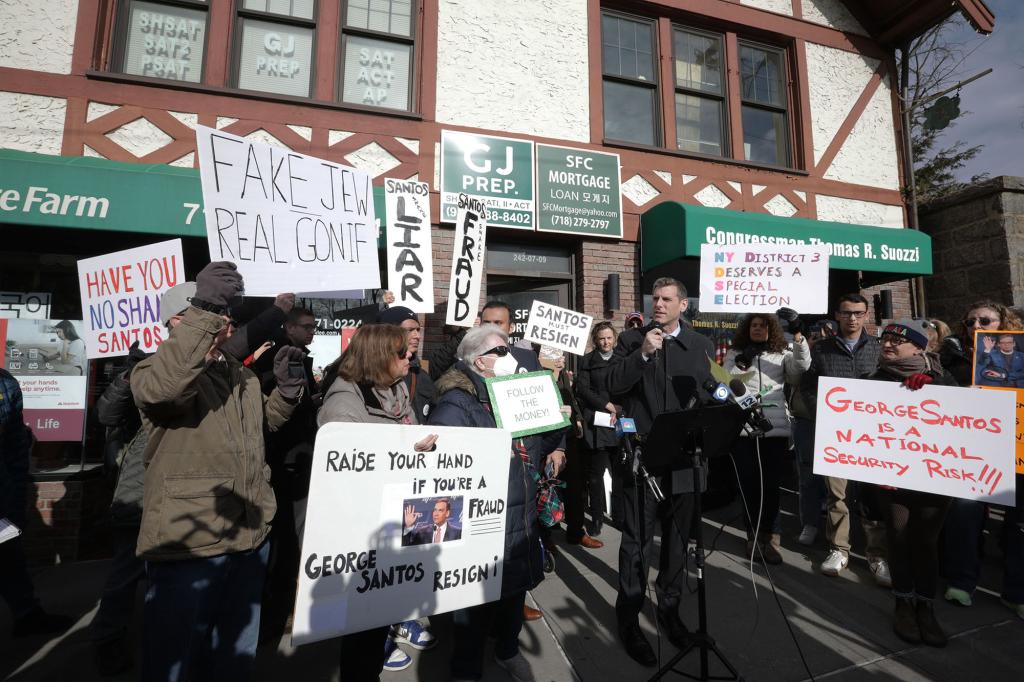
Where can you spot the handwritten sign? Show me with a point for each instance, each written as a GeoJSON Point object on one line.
{"type": "Point", "coordinates": [558, 327]}
{"type": "Point", "coordinates": [121, 296]}
{"type": "Point", "coordinates": [997, 365]}
{"type": "Point", "coordinates": [940, 439]}
{"type": "Point", "coordinates": [410, 257]}
{"type": "Point", "coordinates": [467, 262]}
{"type": "Point", "coordinates": [285, 217]}
{"type": "Point", "coordinates": [369, 557]}
{"type": "Point", "coordinates": [34, 305]}
{"type": "Point", "coordinates": [526, 403]}
{"type": "Point", "coordinates": [761, 278]}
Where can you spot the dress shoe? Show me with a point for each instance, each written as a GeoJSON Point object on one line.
{"type": "Point", "coordinates": [588, 542]}
{"type": "Point", "coordinates": [531, 614]}
{"type": "Point", "coordinates": [673, 626]}
{"type": "Point", "coordinates": [637, 646]}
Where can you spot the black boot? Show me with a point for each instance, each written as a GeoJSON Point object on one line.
{"type": "Point", "coordinates": [905, 621]}
{"type": "Point", "coordinates": [931, 631]}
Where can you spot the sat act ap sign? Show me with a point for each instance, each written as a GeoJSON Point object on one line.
{"type": "Point", "coordinates": [496, 170]}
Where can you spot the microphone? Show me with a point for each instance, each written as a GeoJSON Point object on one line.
{"type": "Point", "coordinates": [736, 393]}
{"type": "Point", "coordinates": [652, 326]}
{"type": "Point", "coordinates": [624, 426]}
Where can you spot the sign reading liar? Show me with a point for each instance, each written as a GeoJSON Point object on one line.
{"type": "Point", "coordinates": [761, 278]}
{"type": "Point", "coordinates": [526, 403]}
{"type": "Point", "coordinates": [370, 553]}
{"type": "Point", "coordinates": [121, 297]}
{"type": "Point", "coordinates": [557, 327]}
{"type": "Point", "coordinates": [467, 262]}
{"type": "Point", "coordinates": [410, 257]}
{"type": "Point", "coordinates": [287, 217]}
{"type": "Point", "coordinates": [940, 439]}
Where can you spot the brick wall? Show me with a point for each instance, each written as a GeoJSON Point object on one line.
{"type": "Point", "coordinates": [65, 520]}
{"type": "Point", "coordinates": [595, 260]}
{"type": "Point", "coordinates": [902, 304]}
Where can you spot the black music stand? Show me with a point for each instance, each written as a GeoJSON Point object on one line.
{"type": "Point", "coordinates": [680, 440]}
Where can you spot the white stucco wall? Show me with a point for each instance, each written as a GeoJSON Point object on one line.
{"type": "Point", "coordinates": [831, 13]}
{"type": "Point", "coordinates": [835, 79]}
{"type": "Point", "coordinates": [858, 212]}
{"type": "Point", "coordinates": [517, 67]}
{"type": "Point", "coordinates": [37, 34]}
{"type": "Point", "coordinates": [868, 157]}
{"type": "Point", "coordinates": [32, 123]}
{"type": "Point", "coordinates": [779, 6]}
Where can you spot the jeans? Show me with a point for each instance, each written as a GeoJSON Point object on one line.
{"type": "Point", "coordinates": [812, 487]}
{"type": "Point", "coordinates": [503, 619]}
{"type": "Point", "coordinates": [202, 617]}
{"type": "Point", "coordinates": [117, 605]}
{"type": "Point", "coordinates": [961, 559]}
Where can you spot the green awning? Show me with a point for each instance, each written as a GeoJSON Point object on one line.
{"type": "Point", "coordinates": [672, 230]}
{"type": "Point", "coordinates": [99, 194]}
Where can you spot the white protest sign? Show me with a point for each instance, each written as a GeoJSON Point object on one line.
{"type": "Point", "coordinates": [761, 278]}
{"type": "Point", "coordinates": [34, 305]}
{"type": "Point", "coordinates": [370, 554]}
{"type": "Point", "coordinates": [939, 439]}
{"type": "Point", "coordinates": [467, 262]}
{"type": "Point", "coordinates": [410, 255]}
{"type": "Point", "coordinates": [286, 219]}
{"type": "Point", "coordinates": [558, 327]}
{"type": "Point", "coordinates": [121, 297]}
{"type": "Point", "coordinates": [526, 403]}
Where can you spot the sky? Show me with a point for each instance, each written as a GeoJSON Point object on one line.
{"type": "Point", "coordinates": [996, 102]}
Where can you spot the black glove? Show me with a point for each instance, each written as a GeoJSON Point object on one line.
{"type": "Point", "coordinates": [791, 318]}
{"type": "Point", "coordinates": [136, 355]}
{"type": "Point", "coordinates": [219, 285]}
{"type": "Point", "coordinates": [289, 372]}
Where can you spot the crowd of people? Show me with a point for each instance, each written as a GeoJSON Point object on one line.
{"type": "Point", "coordinates": [213, 437]}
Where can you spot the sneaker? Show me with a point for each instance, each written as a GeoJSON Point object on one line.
{"type": "Point", "coordinates": [395, 659]}
{"type": "Point", "coordinates": [880, 569]}
{"type": "Point", "coordinates": [549, 561]}
{"type": "Point", "coordinates": [1016, 608]}
{"type": "Point", "coordinates": [808, 535]}
{"type": "Point", "coordinates": [958, 597]}
{"type": "Point", "coordinates": [415, 635]}
{"type": "Point", "coordinates": [835, 562]}
{"type": "Point", "coordinates": [517, 667]}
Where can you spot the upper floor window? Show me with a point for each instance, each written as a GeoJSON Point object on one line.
{"type": "Point", "coordinates": [377, 44]}
{"type": "Point", "coordinates": [630, 79]}
{"type": "Point", "coordinates": [764, 104]}
{"type": "Point", "coordinates": [275, 46]}
{"type": "Point", "coordinates": [163, 40]}
{"type": "Point", "coordinates": [700, 92]}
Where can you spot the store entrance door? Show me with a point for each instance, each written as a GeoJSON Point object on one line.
{"type": "Point", "coordinates": [521, 292]}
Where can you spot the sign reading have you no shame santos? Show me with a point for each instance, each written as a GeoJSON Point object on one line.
{"type": "Point", "coordinates": [285, 217]}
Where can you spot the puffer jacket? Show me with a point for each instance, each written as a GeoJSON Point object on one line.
{"type": "Point", "coordinates": [768, 375]}
{"type": "Point", "coordinates": [207, 485]}
{"type": "Point", "coordinates": [831, 358]}
{"type": "Point", "coordinates": [462, 401]}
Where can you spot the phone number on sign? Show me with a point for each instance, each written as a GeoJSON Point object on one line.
{"type": "Point", "coordinates": [496, 217]}
{"type": "Point", "coordinates": [576, 221]}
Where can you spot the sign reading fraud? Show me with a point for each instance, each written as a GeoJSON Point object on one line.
{"type": "Point", "coordinates": [498, 170]}
{"type": "Point", "coordinates": [121, 297]}
{"type": "Point", "coordinates": [371, 554]}
{"type": "Point", "coordinates": [763, 278]}
{"type": "Point", "coordinates": [578, 192]}
{"type": "Point", "coordinates": [467, 262]}
{"type": "Point", "coordinates": [410, 258]}
{"type": "Point", "coordinates": [527, 403]}
{"type": "Point", "coordinates": [557, 327]}
{"type": "Point", "coordinates": [287, 217]}
{"type": "Point", "coordinates": [999, 364]}
{"type": "Point", "coordinates": [940, 439]}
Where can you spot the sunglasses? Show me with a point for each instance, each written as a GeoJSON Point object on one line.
{"type": "Point", "coordinates": [500, 351]}
{"type": "Point", "coordinates": [984, 321]}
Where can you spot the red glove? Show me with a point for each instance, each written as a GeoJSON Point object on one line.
{"type": "Point", "coordinates": [917, 381]}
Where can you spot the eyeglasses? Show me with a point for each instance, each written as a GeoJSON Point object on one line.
{"type": "Point", "coordinates": [892, 340]}
{"type": "Point", "coordinates": [852, 313]}
{"type": "Point", "coordinates": [500, 351]}
{"type": "Point", "coordinates": [984, 321]}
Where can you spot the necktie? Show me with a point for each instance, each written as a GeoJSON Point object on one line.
{"type": "Point", "coordinates": [437, 534]}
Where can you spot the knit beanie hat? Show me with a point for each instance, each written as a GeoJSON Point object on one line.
{"type": "Point", "coordinates": [395, 315]}
{"type": "Point", "coordinates": [915, 331]}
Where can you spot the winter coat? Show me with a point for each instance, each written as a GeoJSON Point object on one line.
{"type": "Point", "coordinates": [15, 445]}
{"type": "Point", "coordinates": [350, 402]}
{"type": "Point", "coordinates": [421, 390]}
{"type": "Point", "coordinates": [462, 401]}
{"type": "Point", "coordinates": [207, 484]}
{"type": "Point", "coordinates": [445, 356]}
{"type": "Point", "coordinates": [592, 392]}
{"type": "Point", "coordinates": [769, 373]}
{"type": "Point", "coordinates": [956, 360]}
{"type": "Point", "coordinates": [831, 358]}
{"type": "Point", "coordinates": [115, 409]}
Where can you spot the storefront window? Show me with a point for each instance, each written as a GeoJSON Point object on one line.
{"type": "Point", "coordinates": [275, 51]}
{"type": "Point", "coordinates": [377, 39]}
{"type": "Point", "coordinates": [162, 40]}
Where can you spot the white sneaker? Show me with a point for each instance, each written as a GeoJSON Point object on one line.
{"type": "Point", "coordinates": [517, 667]}
{"type": "Point", "coordinates": [880, 569]}
{"type": "Point", "coordinates": [835, 562]}
{"type": "Point", "coordinates": [808, 535]}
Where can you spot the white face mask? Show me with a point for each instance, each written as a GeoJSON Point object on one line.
{"type": "Point", "coordinates": [504, 366]}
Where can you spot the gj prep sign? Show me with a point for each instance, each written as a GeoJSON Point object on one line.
{"type": "Point", "coordinates": [497, 170]}
{"type": "Point", "coordinates": [949, 441]}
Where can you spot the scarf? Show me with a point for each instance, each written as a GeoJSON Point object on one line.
{"type": "Point", "coordinates": [905, 367]}
{"type": "Point", "coordinates": [606, 356]}
{"type": "Point", "coordinates": [395, 401]}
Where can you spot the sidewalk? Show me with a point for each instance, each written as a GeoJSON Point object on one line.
{"type": "Point", "coordinates": [843, 625]}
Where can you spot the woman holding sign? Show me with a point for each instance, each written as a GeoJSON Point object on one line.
{"type": "Point", "coordinates": [913, 519]}
{"type": "Point", "coordinates": [765, 362]}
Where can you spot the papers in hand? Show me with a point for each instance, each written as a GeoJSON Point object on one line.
{"type": "Point", "coordinates": [604, 419]}
{"type": "Point", "coordinates": [8, 531]}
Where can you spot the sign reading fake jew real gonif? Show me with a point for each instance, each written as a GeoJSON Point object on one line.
{"type": "Point", "coordinates": [578, 192]}
{"type": "Point", "coordinates": [497, 170]}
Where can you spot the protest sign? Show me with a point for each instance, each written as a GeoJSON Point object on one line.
{"type": "Point", "coordinates": [369, 555]}
{"type": "Point", "coordinates": [578, 191]}
{"type": "Point", "coordinates": [410, 257]}
{"type": "Point", "coordinates": [48, 359]}
{"type": "Point", "coordinates": [34, 305]}
{"type": "Point", "coordinates": [939, 439]}
{"type": "Point", "coordinates": [287, 217]}
{"type": "Point", "coordinates": [526, 403]}
{"type": "Point", "coordinates": [761, 278]}
{"type": "Point", "coordinates": [558, 327]}
{"type": "Point", "coordinates": [496, 170]}
{"type": "Point", "coordinates": [998, 363]}
{"type": "Point", "coordinates": [121, 297]}
{"type": "Point", "coordinates": [468, 252]}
